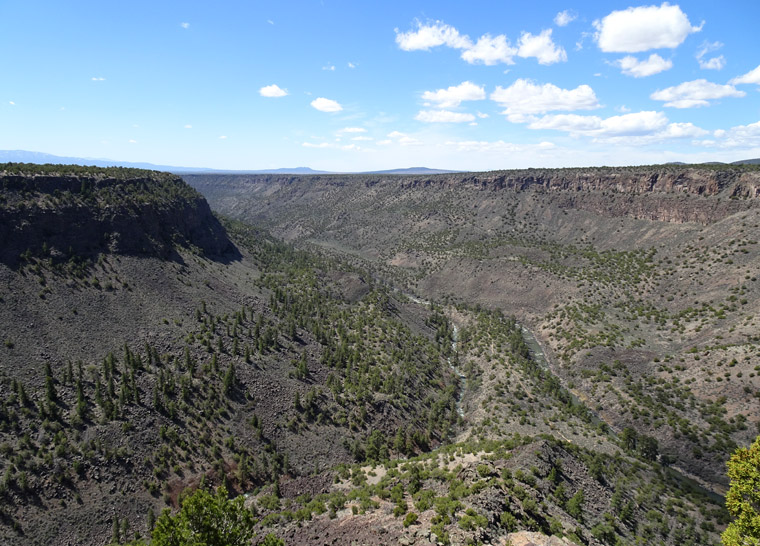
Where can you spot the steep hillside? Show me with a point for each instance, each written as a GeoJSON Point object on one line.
{"type": "Point", "coordinates": [639, 284]}
{"type": "Point", "coordinates": [147, 348]}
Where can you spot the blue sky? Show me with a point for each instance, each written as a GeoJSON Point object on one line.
{"type": "Point", "coordinates": [354, 85]}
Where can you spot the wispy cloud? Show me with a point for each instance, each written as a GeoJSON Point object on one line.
{"type": "Point", "coordinates": [11, 103]}
{"type": "Point", "coordinates": [270, 21]}
{"type": "Point", "coordinates": [272, 91]}
{"type": "Point", "coordinates": [98, 79]}
{"type": "Point", "coordinates": [713, 63]}
{"type": "Point", "coordinates": [188, 126]}
{"type": "Point", "coordinates": [443, 116]}
{"type": "Point", "coordinates": [564, 18]}
{"type": "Point", "coordinates": [185, 25]}
{"type": "Point", "coordinates": [353, 130]}
{"type": "Point", "coordinates": [401, 138]}
{"type": "Point", "coordinates": [351, 65]}
{"type": "Point", "coordinates": [223, 137]}
{"type": "Point", "coordinates": [329, 67]}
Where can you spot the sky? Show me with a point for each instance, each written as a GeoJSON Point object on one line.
{"type": "Point", "coordinates": [359, 85]}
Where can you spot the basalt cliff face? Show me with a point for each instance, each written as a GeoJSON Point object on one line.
{"type": "Point", "coordinates": [669, 194]}
{"type": "Point", "coordinates": [86, 214]}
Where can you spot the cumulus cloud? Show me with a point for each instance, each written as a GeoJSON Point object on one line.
{"type": "Point", "coordinates": [638, 123]}
{"type": "Point", "coordinates": [564, 18]}
{"type": "Point", "coordinates": [695, 93]}
{"type": "Point", "coordinates": [741, 136]}
{"type": "Point", "coordinates": [525, 98]}
{"type": "Point", "coordinates": [431, 35]}
{"type": "Point", "coordinates": [631, 66]}
{"type": "Point", "coordinates": [713, 63]}
{"type": "Point", "coordinates": [11, 103]}
{"type": "Point", "coordinates": [643, 28]}
{"type": "Point", "coordinates": [351, 65]}
{"type": "Point", "coordinates": [329, 67]}
{"type": "Point", "coordinates": [362, 138]}
{"type": "Point", "coordinates": [185, 25]}
{"type": "Point", "coordinates": [272, 91]}
{"type": "Point", "coordinates": [443, 116]}
{"type": "Point", "coordinates": [490, 51]}
{"type": "Point", "coordinates": [353, 130]}
{"type": "Point", "coordinates": [98, 79]}
{"type": "Point", "coordinates": [222, 137]}
{"type": "Point", "coordinates": [753, 76]}
{"type": "Point", "coordinates": [454, 95]}
{"type": "Point", "coordinates": [541, 47]}
{"type": "Point", "coordinates": [326, 105]}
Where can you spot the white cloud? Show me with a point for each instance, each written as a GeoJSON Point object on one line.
{"type": "Point", "coordinates": [753, 76]}
{"type": "Point", "coordinates": [385, 142]}
{"type": "Point", "coordinates": [695, 93]}
{"type": "Point", "coordinates": [353, 130]}
{"type": "Point", "coordinates": [326, 105]}
{"type": "Point", "coordinates": [714, 63]}
{"type": "Point", "coordinates": [330, 67]}
{"type": "Point", "coordinates": [642, 28]}
{"type": "Point", "coordinates": [683, 130]}
{"type": "Point", "coordinates": [481, 115]}
{"type": "Point", "coordinates": [564, 18]}
{"type": "Point", "coordinates": [270, 21]}
{"type": "Point", "coordinates": [431, 35]}
{"type": "Point", "coordinates": [351, 65]}
{"type": "Point", "coordinates": [401, 138]}
{"type": "Point", "coordinates": [11, 103]}
{"type": "Point", "coordinates": [741, 136]}
{"type": "Point", "coordinates": [272, 91]}
{"type": "Point", "coordinates": [98, 79]}
{"type": "Point", "coordinates": [484, 146]}
{"type": "Point", "coordinates": [525, 98]}
{"type": "Point", "coordinates": [312, 145]}
{"type": "Point", "coordinates": [131, 141]}
{"type": "Point", "coordinates": [185, 25]}
{"type": "Point", "coordinates": [490, 51]}
{"type": "Point", "coordinates": [188, 126]}
{"type": "Point", "coordinates": [443, 116]}
{"type": "Point", "coordinates": [631, 66]}
{"type": "Point", "coordinates": [362, 138]}
{"type": "Point", "coordinates": [454, 95]}
{"type": "Point", "coordinates": [223, 137]}
{"type": "Point", "coordinates": [635, 124]}
{"type": "Point", "coordinates": [541, 47]}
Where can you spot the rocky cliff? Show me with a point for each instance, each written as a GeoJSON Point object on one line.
{"type": "Point", "coordinates": [85, 213]}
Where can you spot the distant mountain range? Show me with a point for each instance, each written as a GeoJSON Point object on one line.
{"type": "Point", "coordinates": [23, 156]}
